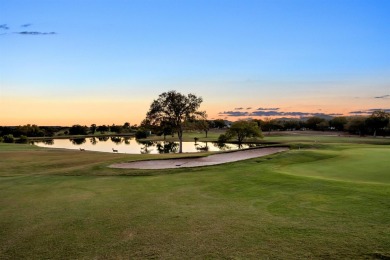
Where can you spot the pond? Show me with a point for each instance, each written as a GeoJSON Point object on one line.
{"type": "Point", "coordinates": [133, 146]}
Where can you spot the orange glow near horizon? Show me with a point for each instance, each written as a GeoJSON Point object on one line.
{"type": "Point", "coordinates": [66, 112]}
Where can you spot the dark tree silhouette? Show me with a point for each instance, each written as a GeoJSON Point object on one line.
{"type": "Point", "coordinates": [378, 120]}
{"type": "Point", "coordinates": [175, 108]}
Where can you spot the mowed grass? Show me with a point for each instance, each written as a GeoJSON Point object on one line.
{"type": "Point", "coordinates": [308, 203]}
{"type": "Point", "coordinates": [369, 164]}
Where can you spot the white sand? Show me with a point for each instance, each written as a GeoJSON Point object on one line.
{"type": "Point", "coordinates": [200, 161]}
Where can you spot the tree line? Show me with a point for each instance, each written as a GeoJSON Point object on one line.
{"type": "Point", "coordinates": [378, 123]}
{"type": "Point", "coordinates": [11, 134]}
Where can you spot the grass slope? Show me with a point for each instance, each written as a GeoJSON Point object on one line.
{"type": "Point", "coordinates": [66, 204]}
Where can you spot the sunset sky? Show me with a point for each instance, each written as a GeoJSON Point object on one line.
{"type": "Point", "coordinates": [67, 62]}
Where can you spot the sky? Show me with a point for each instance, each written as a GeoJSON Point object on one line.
{"type": "Point", "coordinates": [68, 62]}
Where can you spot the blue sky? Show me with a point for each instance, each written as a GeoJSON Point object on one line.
{"type": "Point", "coordinates": [84, 58]}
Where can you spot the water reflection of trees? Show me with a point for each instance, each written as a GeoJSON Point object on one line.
{"type": "Point", "coordinates": [45, 141]}
{"type": "Point", "coordinates": [145, 146]}
{"type": "Point", "coordinates": [103, 138]}
{"type": "Point", "coordinates": [222, 146]}
{"type": "Point", "coordinates": [116, 139]}
{"type": "Point", "coordinates": [167, 147]}
{"type": "Point", "coordinates": [126, 140]}
{"type": "Point", "coordinates": [201, 148]}
{"type": "Point", "coordinates": [78, 141]}
{"type": "Point", "coordinates": [230, 146]}
{"type": "Point", "coordinates": [93, 140]}
{"type": "Point", "coordinates": [48, 141]}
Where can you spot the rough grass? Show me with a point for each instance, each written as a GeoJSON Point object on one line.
{"type": "Point", "coordinates": [57, 204]}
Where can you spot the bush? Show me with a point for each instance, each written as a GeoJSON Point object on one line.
{"type": "Point", "coordinates": [8, 138]}
{"type": "Point", "coordinates": [22, 139]}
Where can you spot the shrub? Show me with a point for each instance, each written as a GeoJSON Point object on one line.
{"type": "Point", "coordinates": [22, 139]}
{"type": "Point", "coordinates": [8, 138]}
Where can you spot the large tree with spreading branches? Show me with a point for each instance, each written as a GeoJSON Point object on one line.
{"type": "Point", "coordinates": [175, 109]}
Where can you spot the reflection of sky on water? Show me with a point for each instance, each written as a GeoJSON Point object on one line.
{"type": "Point", "coordinates": [132, 146]}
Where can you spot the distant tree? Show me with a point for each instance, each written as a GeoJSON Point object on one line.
{"type": "Point", "coordinates": [277, 124]}
{"type": "Point", "coordinates": [8, 138]}
{"type": "Point", "coordinates": [244, 129]}
{"type": "Point", "coordinates": [219, 123]}
{"type": "Point", "coordinates": [78, 130]}
{"type": "Point", "coordinates": [324, 125]}
{"type": "Point", "coordinates": [116, 128]}
{"type": "Point", "coordinates": [103, 128]}
{"type": "Point", "coordinates": [141, 133]}
{"type": "Point", "coordinates": [28, 130]}
{"type": "Point", "coordinates": [50, 130]}
{"type": "Point", "coordinates": [175, 108]}
{"type": "Point", "coordinates": [338, 122]}
{"type": "Point", "coordinates": [378, 120]}
{"type": "Point", "coordinates": [314, 122]}
{"type": "Point", "coordinates": [356, 125]}
{"type": "Point", "coordinates": [267, 124]}
{"type": "Point", "coordinates": [126, 127]}
{"type": "Point", "coordinates": [291, 125]}
{"type": "Point", "coordinates": [202, 125]}
{"type": "Point", "coordinates": [93, 128]}
{"type": "Point", "coordinates": [22, 139]}
{"type": "Point", "coordinates": [259, 122]}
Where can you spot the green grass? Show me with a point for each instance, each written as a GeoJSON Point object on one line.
{"type": "Point", "coordinates": [354, 164]}
{"type": "Point", "coordinates": [331, 202]}
{"type": "Point", "coordinates": [306, 138]}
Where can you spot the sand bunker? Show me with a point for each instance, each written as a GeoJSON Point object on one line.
{"type": "Point", "coordinates": [201, 161]}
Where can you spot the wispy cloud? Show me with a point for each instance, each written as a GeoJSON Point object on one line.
{"type": "Point", "coordinates": [238, 108]}
{"type": "Point", "coordinates": [369, 111]}
{"type": "Point", "coordinates": [248, 108]}
{"type": "Point", "coordinates": [233, 113]}
{"type": "Point", "coordinates": [269, 108]}
{"type": "Point", "coordinates": [4, 26]}
{"type": "Point", "coordinates": [387, 110]}
{"type": "Point", "coordinates": [266, 113]}
{"type": "Point", "coordinates": [384, 96]}
{"type": "Point", "coordinates": [358, 112]}
{"type": "Point", "coordinates": [35, 33]}
{"type": "Point", "coordinates": [273, 112]}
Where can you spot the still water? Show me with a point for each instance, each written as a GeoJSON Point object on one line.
{"type": "Point", "coordinates": [133, 146]}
